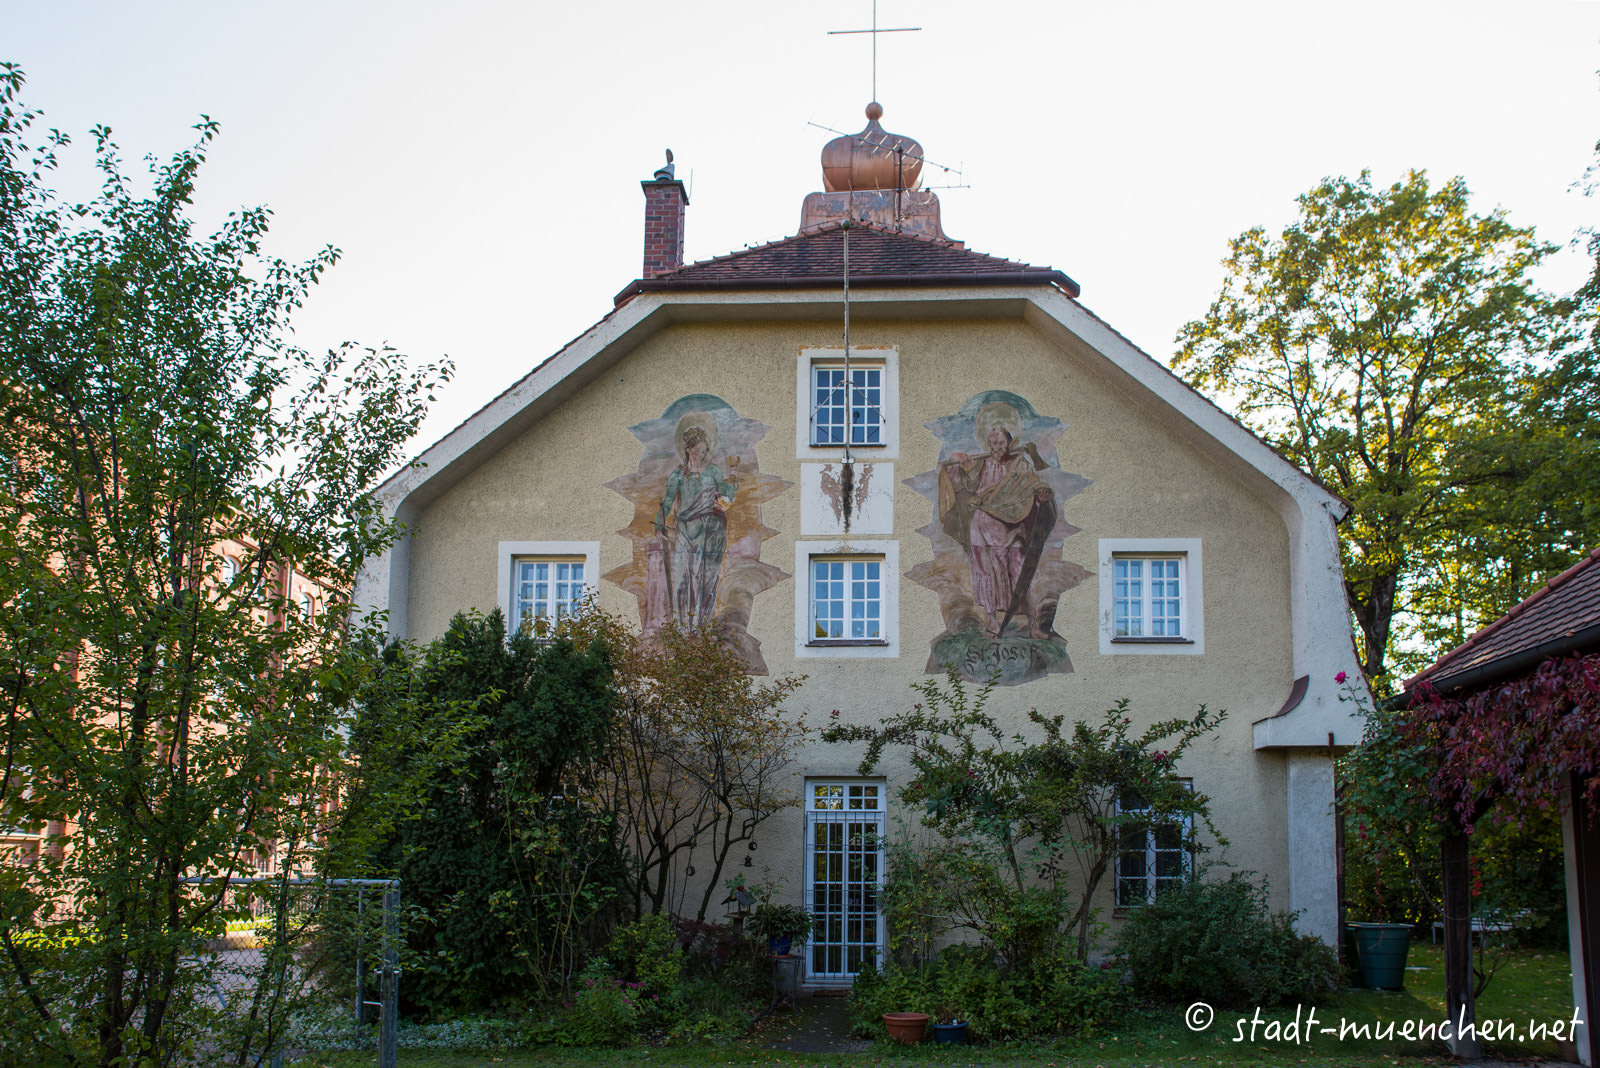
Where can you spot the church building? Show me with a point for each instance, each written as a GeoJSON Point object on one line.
{"type": "Point", "coordinates": [988, 477]}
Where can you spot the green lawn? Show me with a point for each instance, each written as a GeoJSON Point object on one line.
{"type": "Point", "coordinates": [1534, 986]}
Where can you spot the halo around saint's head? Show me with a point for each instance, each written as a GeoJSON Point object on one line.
{"type": "Point", "coordinates": [701, 421]}
{"type": "Point", "coordinates": [996, 414]}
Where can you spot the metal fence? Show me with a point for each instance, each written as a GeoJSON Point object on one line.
{"type": "Point", "coordinates": [305, 962]}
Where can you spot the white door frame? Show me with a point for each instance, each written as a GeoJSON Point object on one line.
{"type": "Point", "coordinates": [844, 872]}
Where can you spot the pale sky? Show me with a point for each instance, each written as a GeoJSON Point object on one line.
{"type": "Point", "coordinates": [478, 162]}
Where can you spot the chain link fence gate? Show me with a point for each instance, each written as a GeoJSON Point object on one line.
{"type": "Point", "coordinates": [295, 967]}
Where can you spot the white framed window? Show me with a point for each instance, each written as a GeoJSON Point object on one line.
{"type": "Point", "coordinates": [1146, 597]}
{"type": "Point", "coordinates": [547, 589]}
{"type": "Point", "coordinates": [844, 868]}
{"type": "Point", "coordinates": [847, 598]}
{"type": "Point", "coordinates": [1151, 596]}
{"type": "Point", "coordinates": [850, 407]}
{"type": "Point", "coordinates": [545, 580]}
{"type": "Point", "coordinates": [1155, 854]}
{"type": "Point", "coordinates": [229, 570]}
{"type": "Point", "coordinates": [848, 603]}
{"type": "Point", "coordinates": [861, 405]}
{"type": "Point", "coordinates": [308, 605]}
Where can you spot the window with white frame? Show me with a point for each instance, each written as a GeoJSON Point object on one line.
{"type": "Point", "coordinates": [547, 590]}
{"type": "Point", "coordinates": [1147, 597]}
{"type": "Point", "coordinates": [1156, 854]}
{"type": "Point", "coordinates": [846, 405]}
{"type": "Point", "coordinates": [846, 598]}
{"type": "Point", "coordinates": [1151, 597]}
{"type": "Point", "coordinates": [848, 603]}
{"type": "Point", "coordinates": [856, 406]}
{"type": "Point", "coordinates": [543, 582]}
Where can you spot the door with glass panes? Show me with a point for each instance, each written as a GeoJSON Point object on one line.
{"type": "Point", "coordinates": [844, 874]}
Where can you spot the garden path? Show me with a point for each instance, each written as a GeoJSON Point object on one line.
{"type": "Point", "coordinates": [814, 1025]}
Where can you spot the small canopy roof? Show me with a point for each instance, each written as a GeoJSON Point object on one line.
{"type": "Point", "coordinates": [1561, 617]}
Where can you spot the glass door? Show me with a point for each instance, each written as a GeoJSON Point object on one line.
{"type": "Point", "coordinates": [844, 872]}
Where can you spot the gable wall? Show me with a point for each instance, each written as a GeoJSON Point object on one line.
{"type": "Point", "coordinates": [1144, 482]}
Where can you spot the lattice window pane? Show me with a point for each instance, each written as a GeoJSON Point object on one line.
{"type": "Point", "coordinates": [847, 599]}
{"type": "Point", "coordinates": [547, 590]}
{"type": "Point", "coordinates": [856, 411]}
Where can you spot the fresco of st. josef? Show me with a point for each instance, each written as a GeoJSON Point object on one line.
{"type": "Point", "coordinates": [998, 497]}
{"type": "Point", "coordinates": [696, 529]}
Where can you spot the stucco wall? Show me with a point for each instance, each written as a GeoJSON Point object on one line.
{"type": "Point", "coordinates": [1144, 482]}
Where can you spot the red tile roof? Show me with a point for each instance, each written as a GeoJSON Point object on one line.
{"type": "Point", "coordinates": [878, 258]}
{"type": "Point", "coordinates": [1563, 616]}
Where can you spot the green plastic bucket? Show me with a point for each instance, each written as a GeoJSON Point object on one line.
{"type": "Point", "coordinates": [1381, 952]}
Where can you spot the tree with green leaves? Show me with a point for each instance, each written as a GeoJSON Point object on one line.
{"type": "Point", "coordinates": [701, 755]}
{"type": "Point", "coordinates": [1021, 813]}
{"type": "Point", "coordinates": [173, 708]}
{"type": "Point", "coordinates": [508, 873]}
{"type": "Point", "coordinates": [596, 770]}
{"type": "Point", "coordinates": [1391, 342]}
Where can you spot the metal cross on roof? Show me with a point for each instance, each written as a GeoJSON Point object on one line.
{"type": "Point", "coordinates": [875, 30]}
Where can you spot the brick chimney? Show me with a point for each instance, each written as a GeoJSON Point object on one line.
{"type": "Point", "coordinates": [664, 204]}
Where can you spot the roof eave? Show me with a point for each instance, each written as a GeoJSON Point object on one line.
{"type": "Point", "coordinates": [1442, 673]}
{"type": "Point", "coordinates": [909, 279]}
{"type": "Point", "coordinates": [1509, 666]}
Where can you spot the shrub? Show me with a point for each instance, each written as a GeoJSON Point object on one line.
{"type": "Point", "coordinates": [1073, 997]}
{"type": "Point", "coordinates": [604, 1011]}
{"type": "Point", "coordinates": [646, 952]}
{"type": "Point", "coordinates": [1054, 994]}
{"type": "Point", "coordinates": [1016, 817]}
{"type": "Point", "coordinates": [646, 985]}
{"type": "Point", "coordinates": [1306, 968]}
{"type": "Point", "coordinates": [709, 1008]}
{"type": "Point", "coordinates": [1218, 939]}
{"type": "Point", "coordinates": [327, 1028]}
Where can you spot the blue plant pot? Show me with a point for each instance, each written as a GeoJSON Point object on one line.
{"type": "Point", "coordinates": [951, 1034]}
{"type": "Point", "coordinates": [779, 947]}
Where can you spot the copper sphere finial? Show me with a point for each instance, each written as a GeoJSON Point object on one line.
{"type": "Point", "coordinates": [874, 111]}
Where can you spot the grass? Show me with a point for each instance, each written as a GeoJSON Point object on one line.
{"type": "Point", "coordinates": [1534, 985]}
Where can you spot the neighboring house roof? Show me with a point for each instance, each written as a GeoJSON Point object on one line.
{"type": "Point", "coordinates": [878, 258]}
{"type": "Point", "coordinates": [1561, 617]}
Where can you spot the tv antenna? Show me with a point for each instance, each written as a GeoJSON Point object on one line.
{"type": "Point", "coordinates": [875, 30]}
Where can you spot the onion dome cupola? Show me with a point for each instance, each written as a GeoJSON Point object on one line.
{"type": "Point", "coordinates": [871, 159]}
{"type": "Point", "coordinates": [874, 177]}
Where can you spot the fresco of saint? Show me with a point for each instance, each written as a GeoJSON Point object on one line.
{"type": "Point", "coordinates": [1001, 512]}
{"type": "Point", "coordinates": [695, 529]}
{"type": "Point", "coordinates": [692, 522]}
{"type": "Point", "coordinates": [997, 495]}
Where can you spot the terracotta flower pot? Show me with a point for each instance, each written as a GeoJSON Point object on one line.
{"type": "Point", "coordinates": [906, 1028]}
